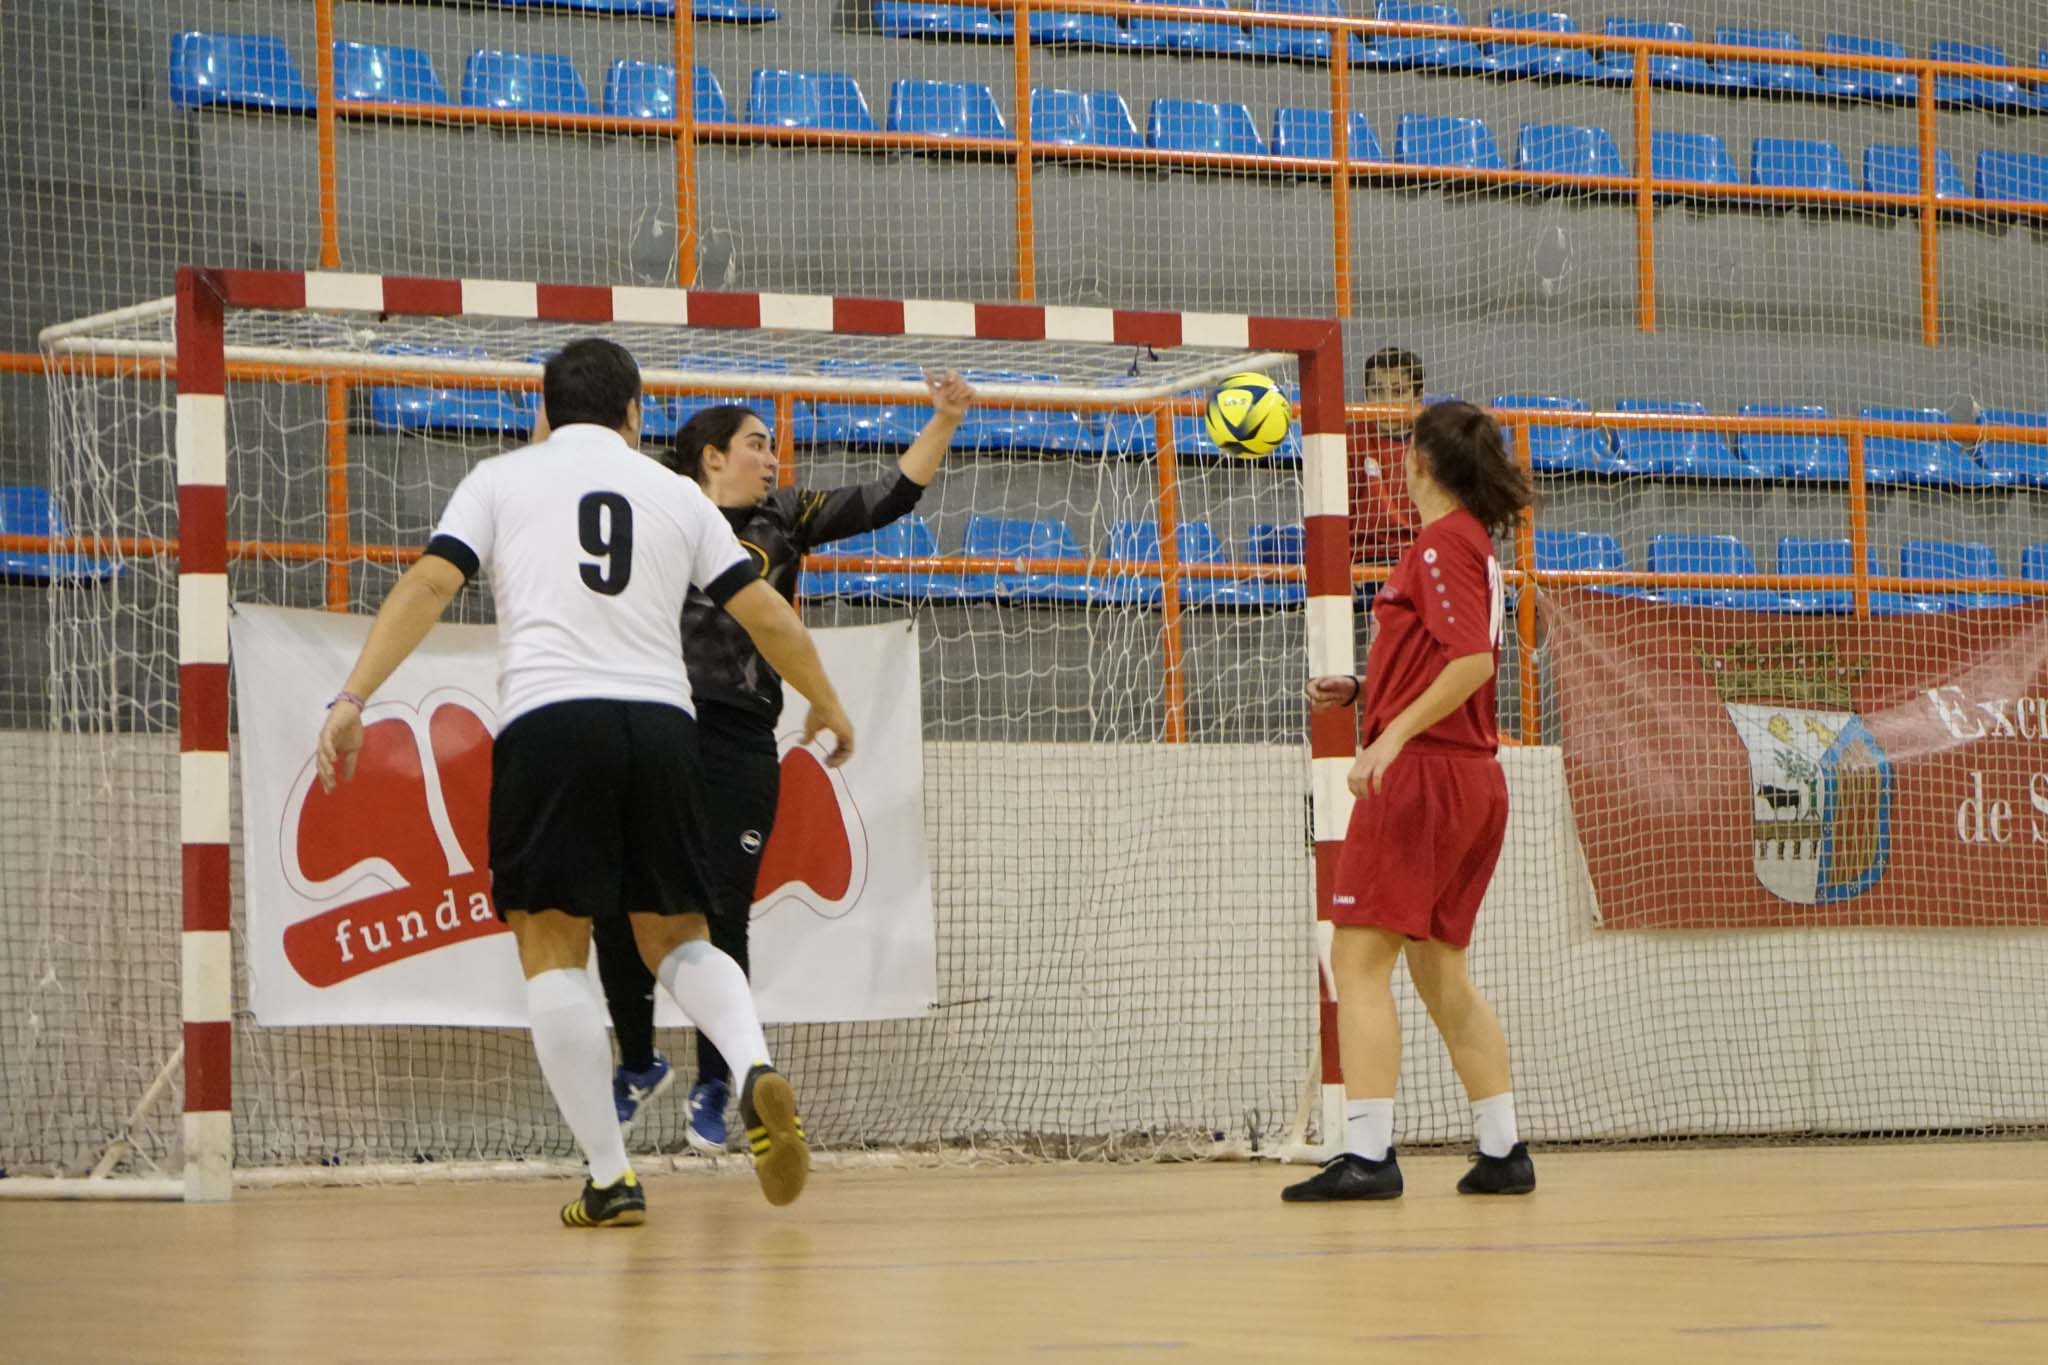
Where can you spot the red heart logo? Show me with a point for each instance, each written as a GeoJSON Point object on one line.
{"type": "Point", "coordinates": [809, 846]}
{"type": "Point", "coordinates": [414, 822]}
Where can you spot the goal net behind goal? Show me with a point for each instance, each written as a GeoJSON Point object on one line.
{"type": "Point", "coordinates": [1116, 761]}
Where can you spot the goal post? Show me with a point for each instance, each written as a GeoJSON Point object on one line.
{"type": "Point", "coordinates": [265, 371]}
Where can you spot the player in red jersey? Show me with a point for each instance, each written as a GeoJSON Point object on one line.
{"type": "Point", "coordinates": [1432, 808]}
{"type": "Point", "coordinates": [1383, 521]}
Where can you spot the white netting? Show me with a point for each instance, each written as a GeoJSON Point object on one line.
{"type": "Point", "coordinates": [1125, 954]}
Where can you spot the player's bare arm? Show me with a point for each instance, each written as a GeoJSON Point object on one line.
{"type": "Point", "coordinates": [412, 607]}
{"type": "Point", "coordinates": [951, 397]}
{"type": "Point", "coordinates": [786, 644]}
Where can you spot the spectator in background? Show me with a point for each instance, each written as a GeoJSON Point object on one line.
{"type": "Point", "coordinates": [1383, 518]}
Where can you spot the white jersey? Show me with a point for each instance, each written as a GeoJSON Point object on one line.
{"type": "Point", "coordinates": [592, 548]}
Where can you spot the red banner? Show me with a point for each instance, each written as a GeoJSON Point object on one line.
{"type": "Point", "coordinates": [1731, 770]}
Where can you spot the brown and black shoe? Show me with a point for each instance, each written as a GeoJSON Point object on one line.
{"type": "Point", "coordinates": [775, 1134]}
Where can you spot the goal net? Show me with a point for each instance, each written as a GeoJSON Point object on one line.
{"type": "Point", "coordinates": [1116, 765]}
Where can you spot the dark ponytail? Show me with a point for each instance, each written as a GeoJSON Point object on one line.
{"type": "Point", "coordinates": [1469, 460]}
{"type": "Point", "coordinates": [713, 426]}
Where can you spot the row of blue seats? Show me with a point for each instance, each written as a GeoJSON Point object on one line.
{"type": "Point", "coordinates": [885, 425]}
{"type": "Point", "coordinates": [997, 537]}
{"type": "Point", "coordinates": [917, 19]}
{"type": "Point", "coordinates": [1703, 454]}
{"type": "Point", "coordinates": [1677, 553]}
{"type": "Point", "coordinates": [549, 83]}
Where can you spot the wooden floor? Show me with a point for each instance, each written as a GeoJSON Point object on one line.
{"type": "Point", "coordinates": [1868, 1253]}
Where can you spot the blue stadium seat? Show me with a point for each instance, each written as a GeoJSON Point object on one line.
{"type": "Point", "coordinates": [536, 82]}
{"type": "Point", "coordinates": [884, 423]}
{"type": "Point", "coordinates": [386, 75]}
{"type": "Point", "coordinates": [1020, 538]}
{"type": "Point", "coordinates": [724, 11]}
{"type": "Point", "coordinates": [648, 90]}
{"type": "Point", "coordinates": [1678, 552]}
{"type": "Point", "coordinates": [1268, 542]}
{"type": "Point", "coordinates": [1201, 126]}
{"type": "Point", "coordinates": [989, 428]}
{"type": "Point", "coordinates": [1801, 555]}
{"type": "Point", "coordinates": [1980, 92]}
{"type": "Point", "coordinates": [1560, 450]}
{"type": "Point", "coordinates": [26, 510]}
{"type": "Point", "coordinates": [945, 109]}
{"type": "Point", "coordinates": [1820, 458]}
{"type": "Point", "coordinates": [1935, 462]}
{"type": "Point", "coordinates": [1798, 163]}
{"type": "Point", "coordinates": [421, 407]}
{"type": "Point", "coordinates": [2034, 563]}
{"type": "Point", "coordinates": [1302, 43]}
{"type": "Point", "coordinates": [2015, 462]}
{"type": "Point", "coordinates": [1446, 54]}
{"type": "Point", "coordinates": [906, 19]}
{"type": "Point", "coordinates": [1897, 87]}
{"type": "Point", "coordinates": [1138, 541]}
{"type": "Point", "coordinates": [910, 537]}
{"type": "Point", "coordinates": [1572, 551]}
{"type": "Point", "coordinates": [1782, 78]}
{"type": "Point", "coordinates": [1676, 452]}
{"type": "Point", "coordinates": [1431, 140]}
{"type": "Point", "coordinates": [1173, 35]}
{"type": "Point", "coordinates": [1679, 73]}
{"type": "Point", "coordinates": [236, 71]}
{"type": "Point", "coordinates": [1892, 169]}
{"type": "Point", "coordinates": [663, 417]}
{"type": "Point", "coordinates": [1560, 63]}
{"type": "Point", "coordinates": [1088, 118]}
{"type": "Point", "coordinates": [1691, 156]}
{"type": "Point", "coordinates": [1959, 560]}
{"type": "Point", "coordinates": [1306, 132]}
{"type": "Point", "coordinates": [808, 99]}
{"type": "Point", "coordinates": [1563, 149]}
{"type": "Point", "coordinates": [2016, 177]}
{"type": "Point", "coordinates": [1056, 27]}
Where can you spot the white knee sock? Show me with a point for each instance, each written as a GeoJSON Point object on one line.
{"type": "Point", "coordinates": [1369, 1128]}
{"type": "Point", "coordinates": [576, 1058]}
{"type": "Point", "coordinates": [713, 992]}
{"type": "Point", "coordinates": [1494, 1117]}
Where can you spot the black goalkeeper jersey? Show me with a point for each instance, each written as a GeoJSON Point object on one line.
{"type": "Point", "coordinates": [777, 532]}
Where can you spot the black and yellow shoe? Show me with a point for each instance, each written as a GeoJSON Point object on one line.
{"type": "Point", "coordinates": [621, 1204]}
{"type": "Point", "coordinates": [775, 1134]}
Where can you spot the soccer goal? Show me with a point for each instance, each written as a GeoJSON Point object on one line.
{"type": "Point", "coordinates": [1122, 812]}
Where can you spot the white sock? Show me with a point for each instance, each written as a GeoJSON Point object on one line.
{"type": "Point", "coordinates": [1494, 1117]}
{"type": "Point", "coordinates": [713, 992]}
{"type": "Point", "coordinates": [576, 1058]}
{"type": "Point", "coordinates": [1369, 1128]}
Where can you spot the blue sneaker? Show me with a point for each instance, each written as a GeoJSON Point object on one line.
{"type": "Point", "coordinates": [631, 1090]}
{"type": "Point", "coordinates": [707, 1116]}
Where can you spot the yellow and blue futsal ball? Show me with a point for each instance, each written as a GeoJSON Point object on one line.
{"type": "Point", "coordinates": [1248, 416]}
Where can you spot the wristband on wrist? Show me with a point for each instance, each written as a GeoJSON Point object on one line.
{"type": "Point", "coordinates": [1357, 688]}
{"type": "Point", "coordinates": [346, 696]}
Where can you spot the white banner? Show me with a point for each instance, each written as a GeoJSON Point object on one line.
{"type": "Point", "coordinates": [372, 905]}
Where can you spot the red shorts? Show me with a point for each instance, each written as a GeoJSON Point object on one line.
{"type": "Point", "coordinates": [1419, 853]}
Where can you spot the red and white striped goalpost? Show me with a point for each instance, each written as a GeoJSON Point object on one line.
{"type": "Point", "coordinates": [201, 303]}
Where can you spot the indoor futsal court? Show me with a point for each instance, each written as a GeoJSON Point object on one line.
{"type": "Point", "coordinates": [883, 681]}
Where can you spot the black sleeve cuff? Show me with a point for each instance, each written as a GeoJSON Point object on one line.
{"type": "Point", "coordinates": [721, 589]}
{"type": "Point", "coordinates": [900, 498]}
{"type": "Point", "coordinates": [456, 553]}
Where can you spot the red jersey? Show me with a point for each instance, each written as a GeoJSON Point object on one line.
{"type": "Point", "coordinates": [1443, 602]}
{"type": "Point", "coordinates": [1383, 517]}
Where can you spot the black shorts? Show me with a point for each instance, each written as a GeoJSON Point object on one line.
{"type": "Point", "coordinates": [596, 809]}
{"type": "Point", "coordinates": [744, 775]}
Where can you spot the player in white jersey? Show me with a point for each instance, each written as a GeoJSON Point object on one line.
{"type": "Point", "coordinates": [596, 796]}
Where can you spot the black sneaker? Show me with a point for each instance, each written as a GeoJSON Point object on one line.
{"type": "Point", "coordinates": [775, 1134]}
{"type": "Point", "coordinates": [1348, 1175]}
{"type": "Point", "coordinates": [1510, 1174]}
{"type": "Point", "coordinates": [621, 1204]}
